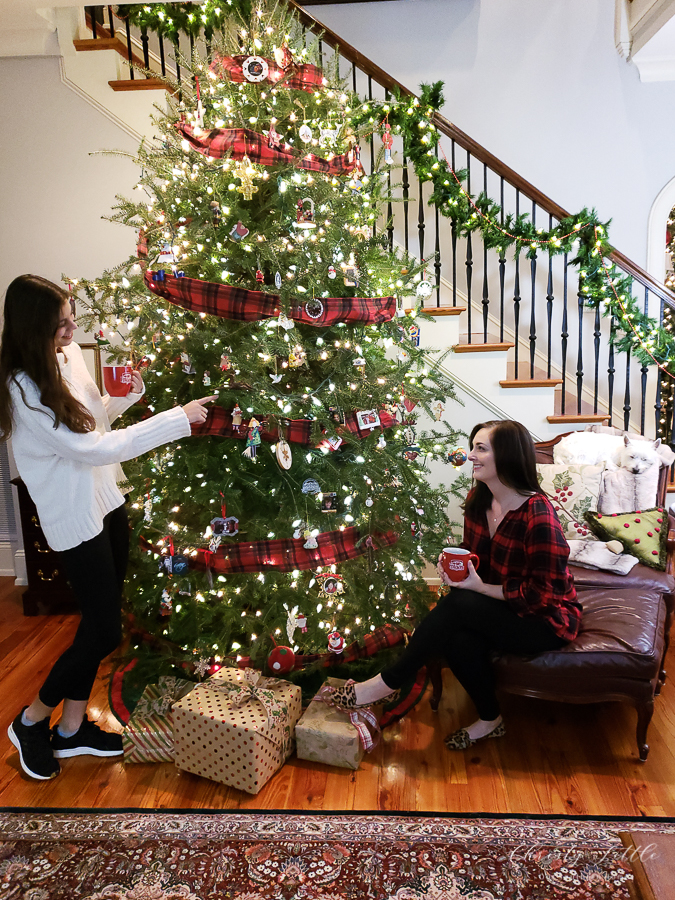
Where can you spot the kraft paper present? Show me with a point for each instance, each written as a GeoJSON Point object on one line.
{"type": "Point", "coordinates": [148, 737]}
{"type": "Point", "coordinates": [327, 735]}
{"type": "Point", "coordinates": [237, 728]}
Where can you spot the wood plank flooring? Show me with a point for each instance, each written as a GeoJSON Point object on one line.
{"type": "Point", "coordinates": [558, 759]}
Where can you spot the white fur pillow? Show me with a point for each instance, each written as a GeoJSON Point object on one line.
{"type": "Point", "coordinates": [622, 491]}
{"type": "Point", "coordinates": [573, 491]}
{"type": "Point", "coordinates": [596, 555]}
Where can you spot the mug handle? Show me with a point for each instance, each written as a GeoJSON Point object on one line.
{"type": "Point", "coordinates": [473, 557]}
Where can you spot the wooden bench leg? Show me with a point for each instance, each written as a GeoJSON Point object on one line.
{"type": "Point", "coordinates": [645, 712]}
{"type": "Point", "coordinates": [434, 671]}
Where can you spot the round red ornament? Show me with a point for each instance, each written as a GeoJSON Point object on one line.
{"type": "Point", "coordinates": [281, 660]}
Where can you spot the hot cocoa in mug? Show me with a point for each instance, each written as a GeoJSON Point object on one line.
{"type": "Point", "coordinates": [455, 562]}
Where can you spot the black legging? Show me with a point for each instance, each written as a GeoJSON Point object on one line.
{"type": "Point", "coordinates": [464, 628]}
{"type": "Point", "coordinates": [96, 570]}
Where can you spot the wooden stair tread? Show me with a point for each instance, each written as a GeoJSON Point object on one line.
{"type": "Point", "coordinates": [571, 414]}
{"type": "Point", "coordinates": [140, 84]}
{"type": "Point", "coordinates": [443, 310]}
{"type": "Point", "coordinates": [480, 345]}
{"type": "Point", "coordinates": [105, 41]}
{"type": "Point", "coordinates": [526, 378]}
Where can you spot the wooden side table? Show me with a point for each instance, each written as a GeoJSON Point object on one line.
{"type": "Point", "coordinates": [652, 858]}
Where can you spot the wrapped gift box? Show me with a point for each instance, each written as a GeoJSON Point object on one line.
{"type": "Point", "coordinates": [237, 728]}
{"type": "Point", "coordinates": [326, 734]}
{"type": "Point", "coordinates": [149, 735]}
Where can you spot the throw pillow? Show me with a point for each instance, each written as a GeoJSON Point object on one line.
{"type": "Point", "coordinates": [643, 533]}
{"type": "Point", "coordinates": [573, 491]}
{"type": "Point", "coordinates": [597, 555]}
{"type": "Point", "coordinates": [623, 491]}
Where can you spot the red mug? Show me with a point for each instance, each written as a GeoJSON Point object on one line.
{"type": "Point", "coordinates": [117, 380]}
{"type": "Point", "coordinates": [455, 562]}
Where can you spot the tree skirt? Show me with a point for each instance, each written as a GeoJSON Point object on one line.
{"type": "Point", "coordinates": [160, 855]}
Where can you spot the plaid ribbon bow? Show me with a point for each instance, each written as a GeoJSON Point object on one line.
{"type": "Point", "coordinates": [254, 687]}
{"type": "Point", "coordinates": [303, 77]}
{"type": "Point", "coordinates": [363, 719]}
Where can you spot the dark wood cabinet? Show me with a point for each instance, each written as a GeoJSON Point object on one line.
{"type": "Point", "coordinates": [48, 589]}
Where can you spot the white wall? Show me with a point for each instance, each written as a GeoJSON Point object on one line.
{"type": "Point", "coordinates": [540, 85]}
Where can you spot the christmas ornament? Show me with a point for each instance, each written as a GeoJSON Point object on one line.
{"type": "Point", "coordinates": [409, 404]}
{"type": "Point", "coordinates": [332, 443]}
{"type": "Point", "coordinates": [360, 364]}
{"type": "Point", "coordinates": [255, 69]}
{"type": "Point", "coordinates": [310, 541]}
{"type": "Point", "coordinates": [186, 364]}
{"type": "Point", "coordinates": [369, 501]}
{"type": "Point", "coordinates": [331, 272]}
{"type": "Point", "coordinates": [273, 139]}
{"type": "Point", "coordinates": [259, 277]}
{"type": "Point", "coordinates": [310, 486]}
{"type": "Point", "coordinates": [285, 322]}
{"type": "Point", "coordinates": [281, 660]}
{"type": "Point", "coordinates": [424, 289]}
{"type": "Point", "coordinates": [328, 135]}
{"type": "Point", "coordinates": [387, 143]}
{"type": "Point", "coordinates": [216, 215]}
{"type": "Point", "coordinates": [409, 435]}
{"type": "Point", "coordinates": [166, 254]}
{"type": "Point", "coordinates": [244, 171]}
{"type": "Point", "coordinates": [277, 280]}
{"type": "Point", "coordinates": [355, 184]}
{"type": "Point", "coordinates": [336, 643]}
{"type": "Point", "coordinates": [283, 56]}
{"type": "Point", "coordinates": [305, 217]}
{"type": "Point", "coordinates": [159, 275]}
{"type": "Point", "coordinates": [367, 418]}
{"type": "Point", "coordinates": [236, 416]}
{"type": "Point", "coordinates": [351, 275]}
{"type": "Point", "coordinates": [314, 308]}
{"type": "Point", "coordinates": [438, 409]}
{"type": "Point", "coordinates": [276, 378]}
{"type": "Point", "coordinates": [329, 502]}
{"type": "Point", "coordinates": [330, 585]}
{"type": "Point", "coordinates": [166, 604]}
{"type": "Point", "coordinates": [225, 363]}
{"type": "Point", "coordinates": [414, 332]}
{"type": "Point", "coordinates": [411, 453]}
{"type": "Point", "coordinates": [101, 339]}
{"type": "Point", "coordinates": [206, 378]}
{"type": "Point", "coordinates": [225, 526]}
{"type": "Point", "coordinates": [305, 134]}
{"type": "Point", "coordinates": [142, 244]}
{"type": "Point", "coordinates": [253, 439]}
{"type": "Point", "coordinates": [238, 232]}
{"type": "Point", "coordinates": [199, 114]}
{"type": "Point", "coordinates": [284, 455]}
{"type": "Point", "coordinates": [337, 414]}
{"type": "Point", "coordinates": [381, 442]}
{"type": "Point", "coordinates": [147, 510]}
{"type": "Point", "coordinates": [297, 357]}
{"type": "Point", "coordinates": [458, 457]}
{"type": "Point", "coordinates": [403, 356]}
{"type": "Point", "coordinates": [202, 666]}
{"type": "Point", "coordinates": [173, 564]}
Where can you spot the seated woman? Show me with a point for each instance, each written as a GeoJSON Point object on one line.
{"type": "Point", "coordinates": [521, 599]}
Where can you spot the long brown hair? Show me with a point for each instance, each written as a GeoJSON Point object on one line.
{"type": "Point", "coordinates": [32, 315]}
{"type": "Point", "coordinates": [515, 462]}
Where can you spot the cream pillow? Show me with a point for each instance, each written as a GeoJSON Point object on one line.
{"type": "Point", "coordinates": [573, 491]}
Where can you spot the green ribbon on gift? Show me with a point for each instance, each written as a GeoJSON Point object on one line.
{"type": "Point", "coordinates": [255, 687]}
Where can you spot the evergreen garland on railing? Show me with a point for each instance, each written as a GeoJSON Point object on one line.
{"type": "Point", "coordinates": [171, 19]}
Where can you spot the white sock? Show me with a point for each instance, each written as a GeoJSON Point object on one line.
{"type": "Point", "coordinates": [482, 727]}
{"type": "Point", "coordinates": [66, 734]}
{"type": "Point", "coordinates": [372, 690]}
{"type": "Point", "coordinates": [25, 720]}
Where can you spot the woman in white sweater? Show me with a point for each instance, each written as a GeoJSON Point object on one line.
{"type": "Point", "coordinates": [69, 460]}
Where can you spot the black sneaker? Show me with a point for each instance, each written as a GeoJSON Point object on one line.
{"type": "Point", "coordinates": [35, 749]}
{"type": "Point", "coordinates": [88, 740]}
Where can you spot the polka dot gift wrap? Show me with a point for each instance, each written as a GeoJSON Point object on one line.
{"type": "Point", "coordinates": [223, 731]}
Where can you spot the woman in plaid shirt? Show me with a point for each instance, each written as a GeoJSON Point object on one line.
{"type": "Point", "coordinates": [520, 599]}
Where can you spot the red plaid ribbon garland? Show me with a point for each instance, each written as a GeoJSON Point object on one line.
{"type": "Point", "coordinates": [297, 77]}
{"type": "Point", "coordinates": [240, 142]}
{"type": "Point", "coordinates": [243, 305]}
{"type": "Point", "coordinates": [283, 555]}
{"type": "Point", "coordinates": [383, 637]}
{"type": "Point", "coordinates": [218, 422]}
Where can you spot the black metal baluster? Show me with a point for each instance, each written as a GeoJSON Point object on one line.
{"type": "Point", "coordinates": [176, 46]}
{"type": "Point", "coordinates": [549, 304]}
{"type": "Point", "coordinates": [502, 265]}
{"type": "Point", "coordinates": [390, 210]}
{"type": "Point", "coordinates": [469, 255]}
{"type": "Point", "coordinates": [320, 48]}
{"type": "Point", "coordinates": [658, 405]}
{"type": "Point", "coordinates": [146, 49]}
{"type": "Point", "coordinates": [453, 238]}
{"type": "Point", "coordinates": [129, 53]}
{"type": "Point", "coordinates": [581, 303]}
{"type": "Point", "coordinates": [596, 361]}
{"type": "Point", "coordinates": [354, 78]}
{"type": "Point", "coordinates": [486, 297]}
{"type": "Point", "coordinates": [516, 298]}
{"type": "Point", "coordinates": [644, 369]}
{"type": "Point", "coordinates": [372, 144]}
{"type": "Point", "coordinates": [564, 335]}
{"type": "Point", "coordinates": [162, 60]}
{"type": "Point", "coordinates": [91, 11]}
{"type": "Point", "coordinates": [610, 368]}
{"type": "Point", "coordinates": [111, 22]}
{"type": "Point", "coordinates": [420, 220]}
{"type": "Point", "coordinates": [533, 279]}
{"type": "Point", "coordinates": [437, 250]}
{"type": "Point", "coordinates": [406, 201]}
{"type": "Point", "coordinates": [626, 396]}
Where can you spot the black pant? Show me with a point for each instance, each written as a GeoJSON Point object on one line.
{"type": "Point", "coordinates": [96, 570]}
{"type": "Point", "coordinates": [464, 628]}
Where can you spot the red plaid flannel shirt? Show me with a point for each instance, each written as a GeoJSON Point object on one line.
{"type": "Point", "coordinates": [240, 142]}
{"type": "Point", "coordinates": [301, 78]}
{"type": "Point", "coordinates": [528, 557]}
{"type": "Point", "coordinates": [244, 305]}
{"type": "Point", "coordinates": [297, 431]}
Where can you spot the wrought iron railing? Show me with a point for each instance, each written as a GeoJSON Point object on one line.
{"type": "Point", "coordinates": [536, 303]}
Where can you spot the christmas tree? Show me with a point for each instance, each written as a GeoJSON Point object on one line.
{"type": "Point", "coordinates": [296, 521]}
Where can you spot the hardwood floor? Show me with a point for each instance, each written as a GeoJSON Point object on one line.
{"type": "Point", "coordinates": [576, 760]}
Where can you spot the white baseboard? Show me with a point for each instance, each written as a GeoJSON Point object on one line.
{"type": "Point", "coordinates": [6, 559]}
{"type": "Point", "coordinates": [19, 569]}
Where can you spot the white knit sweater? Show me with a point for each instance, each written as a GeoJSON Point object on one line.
{"type": "Point", "coordinates": [72, 478]}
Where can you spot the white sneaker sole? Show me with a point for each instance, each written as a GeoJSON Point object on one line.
{"type": "Point", "coordinates": [86, 751]}
{"type": "Point", "coordinates": [17, 743]}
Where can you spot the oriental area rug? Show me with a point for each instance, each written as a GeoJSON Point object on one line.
{"type": "Point", "coordinates": [180, 855]}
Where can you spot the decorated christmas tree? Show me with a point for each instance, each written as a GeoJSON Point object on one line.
{"type": "Point", "coordinates": [292, 528]}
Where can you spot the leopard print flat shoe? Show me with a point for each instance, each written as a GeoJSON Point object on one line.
{"type": "Point", "coordinates": [345, 697]}
{"type": "Point", "coordinates": [460, 740]}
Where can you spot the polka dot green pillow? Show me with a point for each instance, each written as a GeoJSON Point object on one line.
{"type": "Point", "coordinates": [643, 533]}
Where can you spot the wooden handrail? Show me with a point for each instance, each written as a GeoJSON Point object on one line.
{"type": "Point", "coordinates": [447, 128]}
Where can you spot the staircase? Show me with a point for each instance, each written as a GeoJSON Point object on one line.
{"type": "Point", "coordinates": [524, 340]}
